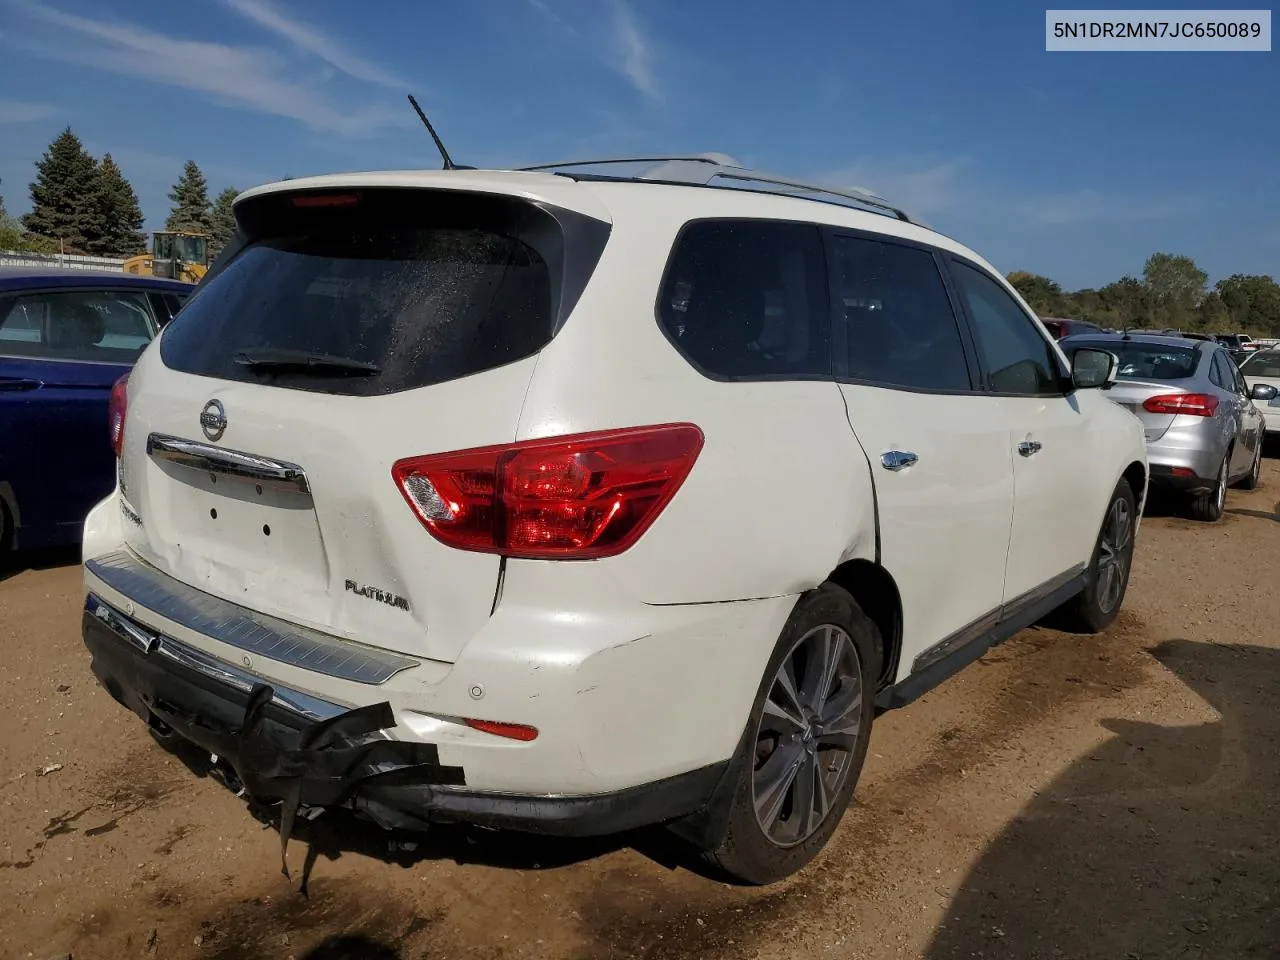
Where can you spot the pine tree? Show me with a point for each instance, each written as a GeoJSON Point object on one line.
{"type": "Point", "coordinates": [121, 215]}
{"type": "Point", "coordinates": [224, 220]}
{"type": "Point", "coordinates": [66, 196]}
{"type": "Point", "coordinates": [190, 196]}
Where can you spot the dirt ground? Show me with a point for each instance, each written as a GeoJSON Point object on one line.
{"type": "Point", "coordinates": [1114, 797]}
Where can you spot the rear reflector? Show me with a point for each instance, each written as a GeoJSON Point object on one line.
{"type": "Point", "coordinates": [512, 731]}
{"type": "Point", "coordinates": [325, 200]}
{"type": "Point", "coordinates": [569, 498]}
{"type": "Point", "coordinates": [1193, 404]}
{"type": "Point", "coordinates": [117, 410]}
{"type": "Point", "coordinates": [1182, 472]}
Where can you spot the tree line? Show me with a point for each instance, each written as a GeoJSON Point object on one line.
{"type": "Point", "coordinates": [1173, 294]}
{"type": "Point", "coordinates": [83, 205]}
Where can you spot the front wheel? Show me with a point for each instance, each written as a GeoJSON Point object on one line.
{"type": "Point", "coordinates": [807, 738]}
{"type": "Point", "coordinates": [1108, 574]}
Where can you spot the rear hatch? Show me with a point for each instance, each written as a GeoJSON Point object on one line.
{"type": "Point", "coordinates": [353, 329]}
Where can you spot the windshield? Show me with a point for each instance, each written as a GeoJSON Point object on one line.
{"type": "Point", "coordinates": [190, 249]}
{"type": "Point", "coordinates": [1266, 364]}
{"type": "Point", "coordinates": [1146, 361]}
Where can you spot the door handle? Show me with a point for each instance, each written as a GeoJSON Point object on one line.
{"type": "Point", "coordinates": [1029, 448]}
{"type": "Point", "coordinates": [896, 460]}
{"type": "Point", "coordinates": [19, 383]}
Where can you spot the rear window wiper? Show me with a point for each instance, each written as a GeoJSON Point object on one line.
{"type": "Point", "coordinates": [272, 359]}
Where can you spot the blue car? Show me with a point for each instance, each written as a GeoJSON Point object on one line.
{"type": "Point", "coordinates": [66, 337]}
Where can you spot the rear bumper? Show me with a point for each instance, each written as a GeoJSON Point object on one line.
{"type": "Point", "coordinates": [1188, 455]}
{"type": "Point", "coordinates": [179, 690]}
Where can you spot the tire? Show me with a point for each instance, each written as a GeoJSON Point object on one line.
{"type": "Point", "coordinates": [1254, 478]}
{"type": "Point", "coordinates": [1208, 507]}
{"type": "Point", "coordinates": [784, 735]}
{"type": "Point", "coordinates": [6, 529]}
{"type": "Point", "coordinates": [1094, 609]}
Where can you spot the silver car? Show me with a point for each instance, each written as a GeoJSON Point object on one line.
{"type": "Point", "coordinates": [1203, 431]}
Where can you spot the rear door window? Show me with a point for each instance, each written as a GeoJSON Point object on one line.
{"type": "Point", "coordinates": [898, 325]}
{"type": "Point", "coordinates": [748, 299]}
{"type": "Point", "coordinates": [83, 325]}
{"type": "Point", "coordinates": [392, 291]}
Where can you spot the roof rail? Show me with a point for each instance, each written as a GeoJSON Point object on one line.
{"type": "Point", "coordinates": [703, 169]}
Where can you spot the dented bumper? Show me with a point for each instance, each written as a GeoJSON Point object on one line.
{"type": "Point", "coordinates": [290, 747]}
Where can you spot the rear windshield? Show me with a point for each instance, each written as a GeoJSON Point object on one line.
{"type": "Point", "coordinates": [1146, 361]}
{"type": "Point", "coordinates": [1262, 365]}
{"type": "Point", "coordinates": [405, 288]}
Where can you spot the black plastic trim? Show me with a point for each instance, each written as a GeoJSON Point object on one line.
{"type": "Point", "coordinates": [956, 652]}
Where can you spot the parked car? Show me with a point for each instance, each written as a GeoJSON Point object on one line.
{"type": "Point", "coordinates": [1260, 370]}
{"type": "Point", "coordinates": [66, 336]}
{"type": "Point", "coordinates": [572, 500]}
{"type": "Point", "coordinates": [1202, 429]}
{"type": "Point", "coordinates": [1060, 328]}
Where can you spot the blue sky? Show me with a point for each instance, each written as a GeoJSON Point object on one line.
{"type": "Point", "coordinates": [1076, 165]}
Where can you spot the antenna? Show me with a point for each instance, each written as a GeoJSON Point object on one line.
{"type": "Point", "coordinates": [448, 163]}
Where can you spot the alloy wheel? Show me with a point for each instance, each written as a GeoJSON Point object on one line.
{"type": "Point", "coordinates": [1220, 493]}
{"type": "Point", "coordinates": [1113, 554]}
{"type": "Point", "coordinates": [810, 724]}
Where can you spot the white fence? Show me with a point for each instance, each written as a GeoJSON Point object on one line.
{"type": "Point", "coordinates": [68, 261]}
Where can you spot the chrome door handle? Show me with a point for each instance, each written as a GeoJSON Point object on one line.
{"type": "Point", "coordinates": [1029, 447]}
{"type": "Point", "coordinates": [896, 460]}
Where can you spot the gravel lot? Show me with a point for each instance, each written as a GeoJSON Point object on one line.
{"type": "Point", "coordinates": [1066, 796]}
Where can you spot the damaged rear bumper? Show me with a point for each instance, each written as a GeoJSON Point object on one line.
{"type": "Point", "coordinates": [289, 746]}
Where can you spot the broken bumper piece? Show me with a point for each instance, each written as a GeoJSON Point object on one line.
{"type": "Point", "coordinates": [290, 747]}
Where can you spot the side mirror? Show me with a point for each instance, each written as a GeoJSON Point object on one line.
{"type": "Point", "coordinates": [1092, 368]}
{"type": "Point", "coordinates": [1264, 392]}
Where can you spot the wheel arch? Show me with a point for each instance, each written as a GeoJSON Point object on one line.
{"type": "Point", "coordinates": [875, 591]}
{"type": "Point", "coordinates": [1135, 474]}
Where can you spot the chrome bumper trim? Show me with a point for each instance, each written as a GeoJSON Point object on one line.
{"type": "Point", "coordinates": [154, 644]}
{"type": "Point", "coordinates": [245, 629]}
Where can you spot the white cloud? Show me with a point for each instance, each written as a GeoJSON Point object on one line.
{"type": "Point", "coordinates": [1087, 206]}
{"type": "Point", "coordinates": [255, 78]}
{"type": "Point", "coordinates": [919, 187]}
{"type": "Point", "coordinates": [620, 45]}
{"type": "Point", "coordinates": [18, 111]}
{"type": "Point", "coordinates": [634, 48]}
{"type": "Point", "coordinates": [309, 40]}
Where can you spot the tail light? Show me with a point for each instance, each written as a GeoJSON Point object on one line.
{"type": "Point", "coordinates": [116, 412]}
{"type": "Point", "coordinates": [568, 498]}
{"type": "Point", "coordinates": [1192, 404]}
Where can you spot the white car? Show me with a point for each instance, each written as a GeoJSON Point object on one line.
{"type": "Point", "coordinates": [575, 499]}
{"type": "Point", "coordinates": [1262, 369]}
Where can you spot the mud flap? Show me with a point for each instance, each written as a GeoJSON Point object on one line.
{"type": "Point", "coordinates": [333, 759]}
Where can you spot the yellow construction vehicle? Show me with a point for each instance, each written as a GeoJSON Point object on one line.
{"type": "Point", "coordinates": [175, 255]}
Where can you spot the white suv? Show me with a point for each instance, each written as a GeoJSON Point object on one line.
{"type": "Point", "coordinates": [576, 499]}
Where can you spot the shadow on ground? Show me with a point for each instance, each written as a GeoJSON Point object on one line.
{"type": "Point", "coordinates": [1163, 843]}
{"type": "Point", "coordinates": [12, 564]}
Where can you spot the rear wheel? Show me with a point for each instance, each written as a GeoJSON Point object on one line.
{"type": "Point", "coordinates": [1254, 479]}
{"type": "Point", "coordinates": [6, 529]}
{"type": "Point", "coordinates": [1108, 575]}
{"type": "Point", "coordinates": [797, 767]}
{"type": "Point", "coordinates": [1208, 506]}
